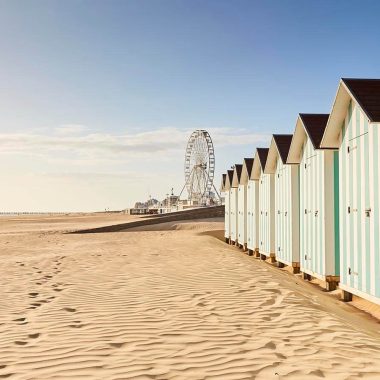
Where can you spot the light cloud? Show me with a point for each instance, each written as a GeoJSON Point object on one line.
{"type": "Point", "coordinates": [71, 139]}
{"type": "Point", "coordinates": [74, 168]}
{"type": "Point", "coordinates": [71, 129]}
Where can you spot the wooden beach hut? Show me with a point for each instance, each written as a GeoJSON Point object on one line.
{"type": "Point", "coordinates": [319, 203]}
{"type": "Point", "coordinates": [286, 189]}
{"type": "Point", "coordinates": [266, 205]}
{"type": "Point", "coordinates": [354, 128]}
{"type": "Point", "coordinates": [242, 203]}
{"type": "Point", "coordinates": [227, 206]}
{"type": "Point", "coordinates": [252, 209]}
{"type": "Point", "coordinates": [234, 201]}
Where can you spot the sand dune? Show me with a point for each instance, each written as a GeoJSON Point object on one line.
{"type": "Point", "coordinates": [173, 302]}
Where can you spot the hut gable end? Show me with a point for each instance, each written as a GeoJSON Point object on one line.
{"type": "Point", "coordinates": [259, 162]}
{"type": "Point", "coordinates": [365, 93]}
{"type": "Point", "coordinates": [236, 175]}
{"type": "Point", "coordinates": [279, 147]}
{"type": "Point", "coordinates": [246, 171]}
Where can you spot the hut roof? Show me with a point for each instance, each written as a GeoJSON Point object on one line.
{"type": "Point", "coordinates": [263, 155]}
{"type": "Point", "coordinates": [307, 125]}
{"type": "Point", "coordinates": [223, 184]}
{"type": "Point", "coordinates": [230, 174]}
{"type": "Point", "coordinates": [283, 145]}
{"type": "Point", "coordinates": [237, 175]}
{"type": "Point", "coordinates": [314, 125]}
{"type": "Point", "coordinates": [246, 171]}
{"type": "Point", "coordinates": [279, 146]}
{"type": "Point", "coordinates": [365, 92]}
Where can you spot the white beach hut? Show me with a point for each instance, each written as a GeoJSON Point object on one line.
{"type": "Point", "coordinates": [252, 209]}
{"type": "Point", "coordinates": [354, 128]}
{"type": "Point", "coordinates": [286, 180]}
{"type": "Point", "coordinates": [227, 206]}
{"type": "Point", "coordinates": [242, 203]}
{"type": "Point", "coordinates": [266, 205]}
{"type": "Point", "coordinates": [249, 205]}
{"type": "Point", "coordinates": [234, 201]}
{"type": "Point", "coordinates": [319, 204]}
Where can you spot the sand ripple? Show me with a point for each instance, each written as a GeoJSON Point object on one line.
{"type": "Point", "coordinates": [165, 305]}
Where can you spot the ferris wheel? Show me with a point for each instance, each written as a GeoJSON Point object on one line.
{"type": "Point", "coordinates": [199, 167]}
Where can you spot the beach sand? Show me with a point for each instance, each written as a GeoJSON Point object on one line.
{"type": "Point", "coordinates": [170, 301]}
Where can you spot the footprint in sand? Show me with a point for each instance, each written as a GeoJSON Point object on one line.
{"type": "Point", "coordinates": [21, 320]}
{"type": "Point", "coordinates": [33, 336]}
{"type": "Point", "coordinates": [116, 345]}
{"type": "Point", "coordinates": [76, 325]}
{"type": "Point", "coordinates": [270, 345]}
{"type": "Point", "coordinates": [20, 342]}
{"type": "Point", "coordinates": [70, 309]}
{"type": "Point", "coordinates": [33, 294]}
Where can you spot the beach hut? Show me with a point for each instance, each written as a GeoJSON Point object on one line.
{"type": "Point", "coordinates": [354, 128]}
{"type": "Point", "coordinates": [234, 200]}
{"type": "Point", "coordinates": [227, 206]}
{"type": "Point", "coordinates": [252, 209]}
{"type": "Point", "coordinates": [266, 205]}
{"type": "Point", "coordinates": [319, 203]}
{"type": "Point", "coordinates": [286, 189]}
{"type": "Point", "coordinates": [242, 203]}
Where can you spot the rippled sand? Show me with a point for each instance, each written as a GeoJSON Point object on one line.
{"type": "Point", "coordinates": [168, 302]}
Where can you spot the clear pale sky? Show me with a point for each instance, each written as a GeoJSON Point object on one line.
{"type": "Point", "coordinates": [98, 98]}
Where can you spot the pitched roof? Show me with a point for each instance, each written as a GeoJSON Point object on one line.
{"type": "Point", "coordinates": [248, 164]}
{"type": "Point", "coordinates": [223, 185]}
{"type": "Point", "coordinates": [238, 168]}
{"type": "Point", "coordinates": [230, 174]}
{"type": "Point", "coordinates": [263, 155]}
{"type": "Point", "coordinates": [283, 144]}
{"type": "Point", "coordinates": [367, 93]}
{"type": "Point", "coordinates": [315, 125]}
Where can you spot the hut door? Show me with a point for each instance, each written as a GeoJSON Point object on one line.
{"type": "Point", "coordinates": [358, 209]}
{"type": "Point", "coordinates": [313, 212]}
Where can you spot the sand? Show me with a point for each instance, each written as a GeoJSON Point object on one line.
{"type": "Point", "coordinates": [170, 301]}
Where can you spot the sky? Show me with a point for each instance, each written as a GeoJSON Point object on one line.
{"type": "Point", "coordinates": [99, 98]}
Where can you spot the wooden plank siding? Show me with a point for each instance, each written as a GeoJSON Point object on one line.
{"type": "Point", "coordinates": [354, 127]}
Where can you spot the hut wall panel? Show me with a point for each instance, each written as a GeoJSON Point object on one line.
{"type": "Point", "coordinates": [252, 214]}
{"type": "Point", "coordinates": [227, 231]}
{"type": "Point", "coordinates": [319, 251]}
{"type": "Point", "coordinates": [234, 213]}
{"type": "Point", "coordinates": [286, 213]}
{"type": "Point", "coordinates": [266, 214]}
{"type": "Point", "coordinates": [242, 214]}
{"type": "Point", "coordinates": [359, 181]}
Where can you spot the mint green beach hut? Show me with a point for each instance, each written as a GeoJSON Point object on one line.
{"type": "Point", "coordinates": [266, 205]}
{"type": "Point", "coordinates": [234, 203]}
{"type": "Point", "coordinates": [286, 180]}
{"type": "Point", "coordinates": [354, 128]}
{"type": "Point", "coordinates": [319, 200]}
{"type": "Point", "coordinates": [227, 206]}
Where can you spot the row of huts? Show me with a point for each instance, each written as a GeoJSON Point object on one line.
{"type": "Point", "coordinates": [311, 200]}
